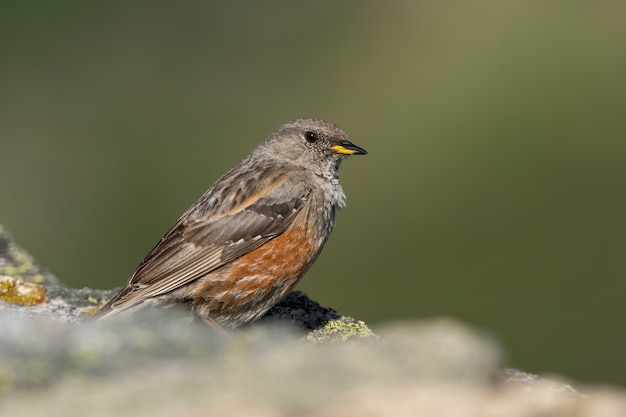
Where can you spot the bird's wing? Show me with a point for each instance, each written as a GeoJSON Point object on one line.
{"type": "Point", "coordinates": [211, 234]}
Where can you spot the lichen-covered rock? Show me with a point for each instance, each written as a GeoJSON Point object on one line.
{"type": "Point", "coordinates": [45, 353]}
{"type": "Point", "coordinates": [16, 262]}
{"type": "Point", "coordinates": [342, 329]}
{"type": "Point", "coordinates": [61, 303]}
{"type": "Point", "coordinates": [15, 291]}
{"type": "Point", "coordinates": [300, 360]}
{"type": "Point", "coordinates": [158, 363]}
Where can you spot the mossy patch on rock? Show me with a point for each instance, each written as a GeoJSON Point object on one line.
{"type": "Point", "coordinates": [342, 329]}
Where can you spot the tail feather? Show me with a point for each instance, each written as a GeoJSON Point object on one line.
{"type": "Point", "coordinates": [116, 305]}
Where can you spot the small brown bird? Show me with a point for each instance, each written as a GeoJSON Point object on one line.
{"type": "Point", "coordinates": [245, 244]}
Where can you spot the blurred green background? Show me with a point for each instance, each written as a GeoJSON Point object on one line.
{"type": "Point", "coordinates": [493, 191]}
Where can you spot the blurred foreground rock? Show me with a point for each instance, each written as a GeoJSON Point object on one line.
{"type": "Point", "coordinates": [303, 360]}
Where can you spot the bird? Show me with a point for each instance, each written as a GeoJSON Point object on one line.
{"type": "Point", "coordinates": [252, 235]}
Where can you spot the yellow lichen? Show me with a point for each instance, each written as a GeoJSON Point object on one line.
{"type": "Point", "coordinates": [13, 290]}
{"type": "Point", "coordinates": [91, 311]}
{"type": "Point", "coordinates": [343, 329]}
{"type": "Point", "coordinates": [349, 329]}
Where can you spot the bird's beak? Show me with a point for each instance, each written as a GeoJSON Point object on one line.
{"type": "Point", "coordinates": [348, 148]}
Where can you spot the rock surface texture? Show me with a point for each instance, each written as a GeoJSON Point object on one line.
{"type": "Point", "coordinates": [300, 360]}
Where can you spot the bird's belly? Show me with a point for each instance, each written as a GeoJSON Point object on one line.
{"type": "Point", "coordinates": [246, 288]}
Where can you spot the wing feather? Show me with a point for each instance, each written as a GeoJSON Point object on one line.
{"type": "Point", "coordinates": [209, 235]}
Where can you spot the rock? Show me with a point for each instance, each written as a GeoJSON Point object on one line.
{"type": "Point", "coordinates": [300, 360]}
{"type": "Point", "coordinates": [159, 363]}
{"type": "Point", "coordinates": [16, 262]}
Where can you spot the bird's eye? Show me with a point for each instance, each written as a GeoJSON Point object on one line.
{"type": "Point", "coordinates": [310, 137]}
